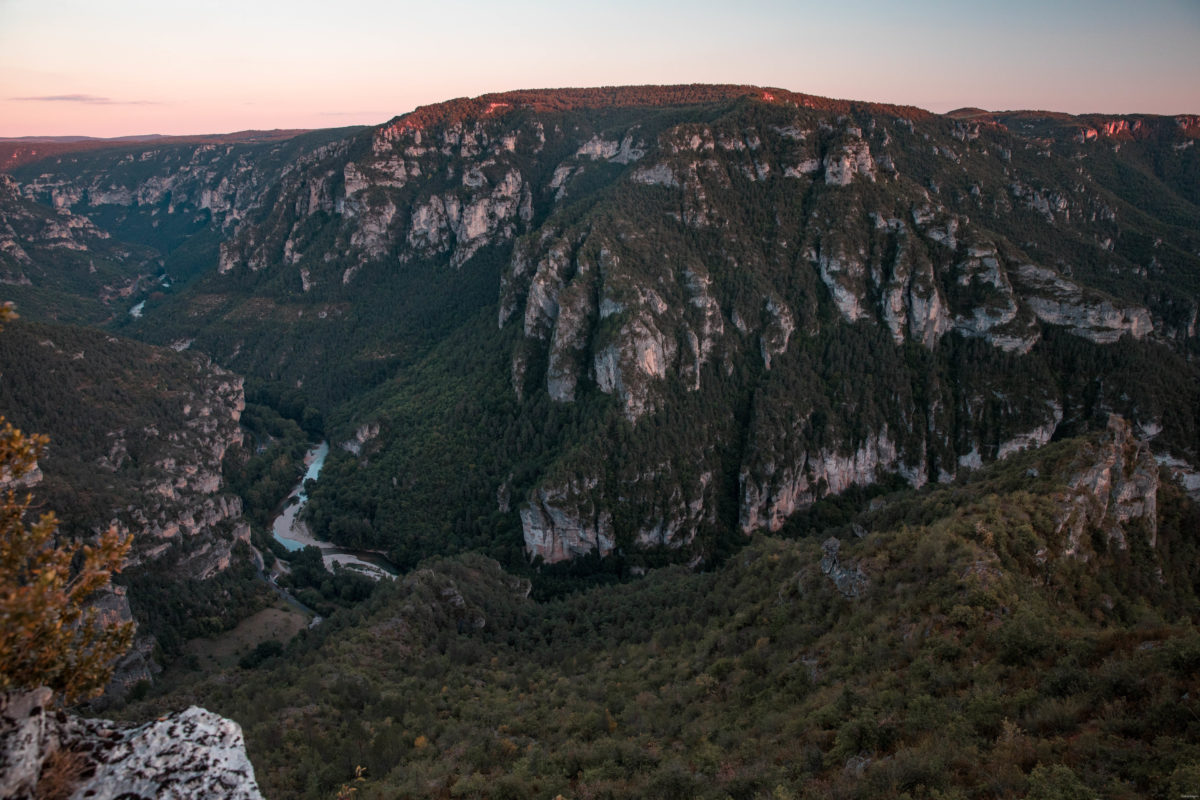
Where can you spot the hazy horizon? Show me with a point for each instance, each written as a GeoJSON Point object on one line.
{"type": "Point", "coordinates": [132, 67]}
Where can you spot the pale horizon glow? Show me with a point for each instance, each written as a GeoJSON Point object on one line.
{"type": "Point", "coordinates": [136, 67]}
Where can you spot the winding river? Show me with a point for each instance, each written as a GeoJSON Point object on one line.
{"type": "Point", "coordinates": [294, 534]}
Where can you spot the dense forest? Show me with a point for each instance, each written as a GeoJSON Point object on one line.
{"type": "Point", "coordinates": [966, 656]}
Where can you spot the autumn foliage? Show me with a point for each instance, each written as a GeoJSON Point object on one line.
{"type": "Point", "coordinates": [49, 636]}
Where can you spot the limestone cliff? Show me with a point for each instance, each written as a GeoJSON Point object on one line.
{"type": "Point", "coordinates": [763, 296]}
{"type": "Point", "coordinates": [47, 251]}
{"type": "Point", "coordinates": [1115, 484]}
{"type": "Point", "coordinates": [409, 193]}
{"type": "Point", "coordinates": [181, 504]}
{"type": "Point", "coordinates": [615, 310]}
{"type": "Point", "coordinates": [137, 438]}
{"type": "Point", "coordinates": [558, 525]}
{"type": "Point", "coordinates": [155, 201]}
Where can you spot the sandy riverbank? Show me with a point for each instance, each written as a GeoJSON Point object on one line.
{"type": "Point", "coordinates": [295, 534]}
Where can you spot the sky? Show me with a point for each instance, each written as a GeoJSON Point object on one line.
{"type": "Point", "coordinates": [124, 67]}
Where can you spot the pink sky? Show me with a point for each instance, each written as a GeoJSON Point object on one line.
{"type": "Point", "coordinates": [132, 67]}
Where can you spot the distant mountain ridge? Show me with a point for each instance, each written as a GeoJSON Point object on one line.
{"type": "Point", "coordinates": [18, 150]}
{"type": "Point", "coordinates": [672, 314]}
{"type": "Point", "coordinates": [144, 137]}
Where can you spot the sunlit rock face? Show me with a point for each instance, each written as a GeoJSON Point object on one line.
{"type": "Point", "coordinates": [790, 295]}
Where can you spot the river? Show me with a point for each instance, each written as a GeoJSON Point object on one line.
{"type": "Point", "coordinates": [294, 534]}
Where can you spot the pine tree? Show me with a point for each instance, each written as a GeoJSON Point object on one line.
{"type": "Point", "coordinates": [49, 636]}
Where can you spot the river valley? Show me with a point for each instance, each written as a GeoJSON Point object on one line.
{"type": "Point", "coordinates": [292, 532]}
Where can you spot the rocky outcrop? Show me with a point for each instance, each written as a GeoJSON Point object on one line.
{"type": "Point", "coordinates": [1058, 301]}
{"type": "Point", "coordinates": [569, 341]}
{"type": "Point", "coordinates": [772, 492]}
{"type": "Point", "coordinates": [62, 229]}
{"type": "Point", "coordinates": [558, 524]}
{"type": "Point", "coordinates": [137, 665]}
{"type": "Point", "coordinates": [601, 323]}
{"type": "Point", "coordinates": [626, 367]}
{"type": "Point", "coordinates": [843, 275]}
{"type": "Point", "coordinates": [381, 207]}
{"type": "Point", "coordinates": [181, 498]}
{"type": "Point", "coordinates": [365, 433]}
{"type": "Point", "coordinates": [445, 223]}
{"type": "Point", "coordinates": [187, 755]}
{"type": "Point", "coordinates": [848, 577]}
{"type": "Point", "coordinates": [1186, 475]}
{"type": "Point", "coordinates": [1117, 484]}
{"type": "Point", "coordinates": [851, 159]}
{"type": "Point", "coordinates": [1028, 440]}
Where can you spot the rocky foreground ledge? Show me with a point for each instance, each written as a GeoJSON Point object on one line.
{"type": "Point", "coordinates": [188, 754]}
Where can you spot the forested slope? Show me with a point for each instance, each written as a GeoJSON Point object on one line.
{"type": "Point", "coordinates": [716, 304]}
{"type": "Point", "coordinates": [958, 642]}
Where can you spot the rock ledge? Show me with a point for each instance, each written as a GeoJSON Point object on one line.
{"type": "Point", "coordinates": [187, 754]}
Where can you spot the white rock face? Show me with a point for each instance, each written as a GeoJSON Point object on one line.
{"type": "Point", "coordinates": [777, 333]}
{"type": "Point", "coordinates": [843, 275]}
{"type": "Point", "coordinates": [928, 317]}
{"type": "Point", "coordinates": [640, 354]}
{"type": "Point", "coordinates": [702, 337]}
{"type": "Point", "coordinates": [853, 158]}
{"type": "Point", "coordinates": [1034, 438]}
{"type": "Point", "coordinates": [558, 181]}
{"type": "Point", "coordinates": [971, 460]}
{"type": "Point", "coordinates": [27, 736]}
{"type": "Point", "coordinates": [627, 359]}
{"type": "Point", "coordinates": [629, 152]}
{"type": "Point", "coordinates": [1120, 484]}
{"type": "Point", "coordinates": [768, 501]}
{"type": "Point", "coordinates": [556, 528]}
{"type": "Point", "coordinates": [373, 235]}
{"type": "Point", "coordinates": [1184, 473]}
{"type": "Point", "coordinates": [995, 317]}
{"type": "Point", "coordinates": [541, 304]}
{"type": "Point", "coordinates": [598, 148]}
{"type": "Point", "coordinates": [570, 338]}
{"type": "Point", "coordinates": [1058, 301]}
{"type": "Point", "coordinates": [444, 222]}
{"type": "Point", "coordinates": [365, 433]}
{"type": "Point", "coordinates": [803, 169]}
{"type": "Point", "coordinates": [655, 175]}
{"type": "Point", "coordinates": [188, 755]}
